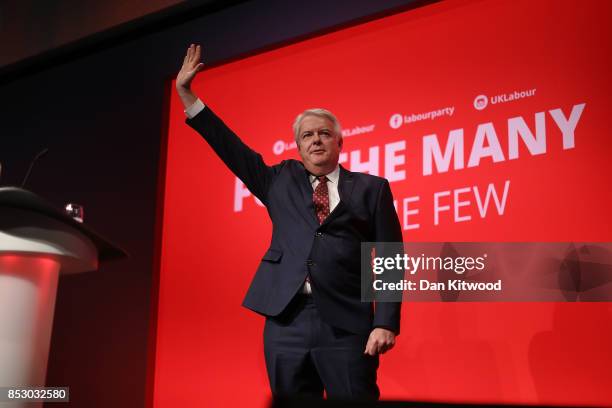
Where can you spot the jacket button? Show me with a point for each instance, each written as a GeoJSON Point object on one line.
{"type": "Point", "coordinates": [319, 234]}
{"type": "Point", "coordinates": [309, 262]}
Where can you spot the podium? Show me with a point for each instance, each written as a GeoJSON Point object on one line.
{"type": "Point", "coordinates": [38, 242]}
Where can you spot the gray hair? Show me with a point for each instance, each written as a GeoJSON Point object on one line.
{"type": "Point", "coordinates": [320, 112]}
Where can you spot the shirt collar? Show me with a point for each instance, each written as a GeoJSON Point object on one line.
{"type": "Point", "coordinates": [333, 176]}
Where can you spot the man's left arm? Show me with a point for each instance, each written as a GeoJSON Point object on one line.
{"type": "Point", "coordinates": [386, 314]}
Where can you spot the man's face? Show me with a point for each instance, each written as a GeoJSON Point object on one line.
{"type": "Point", "coordinates": [318, 145]}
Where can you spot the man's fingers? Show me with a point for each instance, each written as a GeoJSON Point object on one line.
{"type": "Point", "coordinates": [388, 346]}
{"type": "Point", "coordinates": [379, 342]}
{"type": "Point", "coordinates": [370, 348]}
{"type": "Point", "coordinates": [378, 347]}
{"type": "Point", "coordinates": [190, 54]}
{"type": "Point", "coordinates": [192, 58]}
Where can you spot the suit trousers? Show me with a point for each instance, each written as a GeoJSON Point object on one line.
{"type": "Point", "coordinates": [306, 356]}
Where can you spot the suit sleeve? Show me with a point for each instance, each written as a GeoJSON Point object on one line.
{"type": "Point", "coordinates": [244, 162]}
{"type": "Point", "coordinates": [387, 229]}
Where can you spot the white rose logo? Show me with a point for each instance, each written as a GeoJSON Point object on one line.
{"type": "Point", "coordinates": [279, 147]}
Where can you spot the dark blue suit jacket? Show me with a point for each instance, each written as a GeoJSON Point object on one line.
{"type": "Point", "coordinates": [330, 252]}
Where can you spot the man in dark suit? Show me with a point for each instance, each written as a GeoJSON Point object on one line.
{"type": "Point", "coordinates": [319, 336]}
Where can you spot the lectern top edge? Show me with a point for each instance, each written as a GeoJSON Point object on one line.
{"type": "Point", "coordinates": [26, 200]}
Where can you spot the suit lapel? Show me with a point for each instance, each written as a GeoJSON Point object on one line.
{"type": "Point", "coordinates": [306, 191]}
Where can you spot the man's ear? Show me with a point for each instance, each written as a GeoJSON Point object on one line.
{"type": "Point", "coordinates": [340, 140]}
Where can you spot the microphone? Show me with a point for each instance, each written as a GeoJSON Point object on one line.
{"type": "Point", "coordinates": [38, 156]}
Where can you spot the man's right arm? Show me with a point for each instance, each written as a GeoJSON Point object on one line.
{"type": "Point", "coordinates": [245, 163]}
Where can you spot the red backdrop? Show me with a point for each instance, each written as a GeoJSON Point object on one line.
{"type": "Point", "coordinates": [540, 149]}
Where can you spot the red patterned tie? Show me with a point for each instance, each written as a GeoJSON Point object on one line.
{"type": "Point", "coordinates": [321, 199]}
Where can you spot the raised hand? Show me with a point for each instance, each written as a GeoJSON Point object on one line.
{"type": "Point", "coordinates": [191, 66]}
